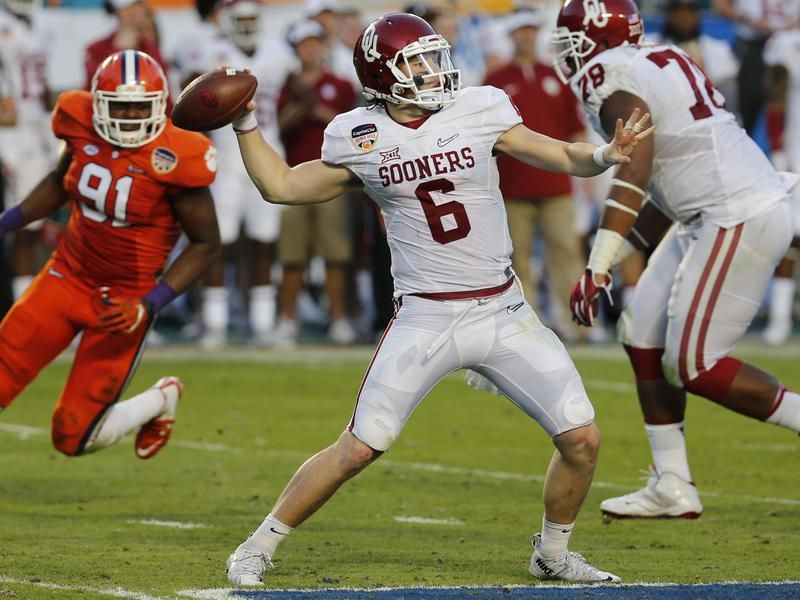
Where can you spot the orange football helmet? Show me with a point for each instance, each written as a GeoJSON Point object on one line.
{"type": "Point", "coordinates": [129, 76]}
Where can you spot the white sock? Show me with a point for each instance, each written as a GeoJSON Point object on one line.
{"type": "Point", "coordinates": [668, 445]}
{"type": "Point", "coordinates": [555, 537]}
{"type": "Point", "coordinates": [215, 309]}
{"type": "Point", "coordinates": [787, 413]}
{"type": "Point", "coordinates": [20, 284]}
{"type": "Point", "coordinates": [268, 536]}
{"type": "Point", "coordinates": [263, 307]}
{"type": "Point", "coordinates": [123, 417]}
{"type": "Point", "coordinates": [781, 299]}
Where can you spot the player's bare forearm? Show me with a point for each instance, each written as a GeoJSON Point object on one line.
{"type": "Point", "coordinates": [578, 158]}
{"type": "Point", "coordinates": [544, 152]}
{"type": "Point", "coordinates": [49, 194]}
{"type": "Point", "coordinates": [194, 209]}
{"type": "Point", "coordinates": [311, 182]}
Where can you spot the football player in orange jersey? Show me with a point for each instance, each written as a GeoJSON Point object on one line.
{"type": "Point", "coordinates": [134, 181]}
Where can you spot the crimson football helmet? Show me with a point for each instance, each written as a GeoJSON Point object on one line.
{"type": "Point", "coordinates": [129, 76]}
{"type": "Point", "coordinates": [241, 22]}
{"type": "Point", "coordinates": [400, 59]}
{"type": "Point", "coordinates": [587, 27]}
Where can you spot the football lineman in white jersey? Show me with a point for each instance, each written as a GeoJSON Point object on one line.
{"type": "Point", "coordinates": [705, 280]}
{"type": "Point", "coordinates": [425, 153]}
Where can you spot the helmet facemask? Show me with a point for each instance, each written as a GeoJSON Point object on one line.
{"type": "Point", "coordinates": [115, 130]}
{"type": "Point", "coordinates": [572, 47]}
{"type": "Point", "coordinates": [424, 73]}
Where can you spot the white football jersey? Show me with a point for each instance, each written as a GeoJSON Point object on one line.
{"type": "Point", "coordinates": [23, 50]}
{"type": "Point", "coordinates": [703, 162]}
{"type": "Point", "coordinates": [437, 187]}
{"type": "Point", "coordinates": [271, 64]}
{"type": "Point", "coordinates": [783, 48]}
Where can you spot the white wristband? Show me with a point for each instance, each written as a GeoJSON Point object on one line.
{"type": "Point", "coordinates": [605, 248]}
{"type": "Point", "coordinates": [599, 156]}
{"type": "Point", "coordinates": [246, 123]}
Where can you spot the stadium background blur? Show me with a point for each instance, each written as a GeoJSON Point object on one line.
{"type": "Point", "coordinates": [483, 43]}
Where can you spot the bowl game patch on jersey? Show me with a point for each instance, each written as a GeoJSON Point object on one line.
{"type": "Point", "coordinates": [164, 160]}
{"type": "Point", "coordinates": [365, 136]}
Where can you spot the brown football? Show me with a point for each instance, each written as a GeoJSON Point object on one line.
{"type": "Point", "coordinates": [213, 100]}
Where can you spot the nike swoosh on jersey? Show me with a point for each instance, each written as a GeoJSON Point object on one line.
{"type": "Point", "coordinates": [443, 142]}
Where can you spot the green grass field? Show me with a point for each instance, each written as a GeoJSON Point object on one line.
{"type": "Point", "coordinates": [466, 456]}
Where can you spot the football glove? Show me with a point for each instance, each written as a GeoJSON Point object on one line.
{"type": "Point", "coordinates": [120, 315]}
{"type": "Point", "coordinates": [585, 299]}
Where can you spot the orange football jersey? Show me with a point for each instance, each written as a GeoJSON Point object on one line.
{"type": "Point", "coordinates": [122, 228]}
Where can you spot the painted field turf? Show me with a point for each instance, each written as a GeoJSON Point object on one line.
{"type": "Point", "coordinates": [454, 503]}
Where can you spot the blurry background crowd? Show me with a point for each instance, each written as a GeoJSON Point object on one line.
{"type": "Point", "coordinates": [323, 272]}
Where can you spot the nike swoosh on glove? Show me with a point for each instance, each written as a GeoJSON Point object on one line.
{"type": "Point", "coordinates": [584, 302]}
{"type": "Point", "coordinates": [120, 315]}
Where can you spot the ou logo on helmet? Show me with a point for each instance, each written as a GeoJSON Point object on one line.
{"type": "Point", "coordinates": [594, 11]}
{"type": "Point", "coordinates": [369, 43]}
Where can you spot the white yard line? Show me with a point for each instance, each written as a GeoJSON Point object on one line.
{"type": "Point", "coordinates": [116, 592]}
{"type": "Point", "coordinates": [172, 524]}
{"type": "Point", "coordinates": [427, 520]}
{"type": "Point", "coordinates": [25, 432]}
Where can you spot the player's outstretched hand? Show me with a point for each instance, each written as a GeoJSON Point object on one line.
{"type": "Point", "coordinates": [120, 314]}
{"type": "Point", "coordinates": [627, 136]}
{"type": "Point", "coordinates": [585, 299]}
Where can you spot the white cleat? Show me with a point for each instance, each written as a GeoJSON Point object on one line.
{"type": "Point", "coordinates": [665, 496]}
{"type": "Point", "coordinates": [246, 567]}
{"type": "Point", "coordinates": [570, 566]}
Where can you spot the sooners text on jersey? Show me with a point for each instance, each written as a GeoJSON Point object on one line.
{"type": "Point", "coordinates": [437, 186]}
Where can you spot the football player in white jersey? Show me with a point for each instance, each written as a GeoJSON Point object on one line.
{"type": "Point", "coordinates": [705, 280]}
{"type": "Point", "coordinates": [241, 41]}
{"type": "Point", "coordinates": [782, 57]}
{"type": "Point", "coordinates": [425, 152]}
{"type": "Point", "coordinates": [27, 149]}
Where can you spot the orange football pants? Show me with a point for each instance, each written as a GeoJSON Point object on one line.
{"type": "Point", "coordinates": [54, 309]}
